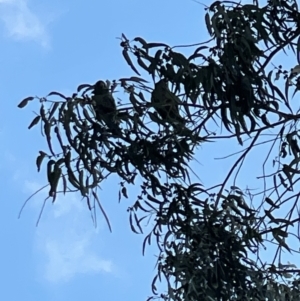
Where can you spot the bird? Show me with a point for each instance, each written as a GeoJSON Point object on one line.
{"type": "Point", "coordinates": [105, 105]}
{"type": "Point", "coordinates": [166, 103]}
{"type": "Point", "coordinates": [104, 101]}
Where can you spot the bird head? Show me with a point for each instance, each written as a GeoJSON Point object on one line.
{"type": "Point", "coordinates": [100, 87]}
{"type": "Point", "coordinates": [162, 84]}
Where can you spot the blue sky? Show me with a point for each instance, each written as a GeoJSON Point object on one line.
{"type": "Point", "coordinates": [57, 45]}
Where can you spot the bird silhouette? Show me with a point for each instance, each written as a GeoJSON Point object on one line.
{"type": "Point", "coordinates": [166, 103]}
{"type": "Point", "coordinates": [105, 105]}
{"type": "Point", "coordinates": [104, 101]}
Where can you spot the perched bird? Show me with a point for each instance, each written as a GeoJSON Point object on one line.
{"type": "Point", "coordinates": [104, 101]}
{"type": "Point", "coordinates": [166, 104]}
{"type": "Point", "coordinates": [105, 105]}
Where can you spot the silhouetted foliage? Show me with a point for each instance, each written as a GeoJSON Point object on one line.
{"type": "Point", "coordinates": [210, 238]}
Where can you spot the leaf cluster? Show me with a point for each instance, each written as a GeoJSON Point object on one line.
{"type": "Point", "coordinates": [209, 242]}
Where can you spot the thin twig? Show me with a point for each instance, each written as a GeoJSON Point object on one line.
{"type": "Point", "coordinates": [235, 165]}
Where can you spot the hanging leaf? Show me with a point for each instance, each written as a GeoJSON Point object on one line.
{"type": "Point", "coordinates": [83, 86]}
{"type": "Point", "coordinates": [208, 24]}
{"type": "Point", "coordinates": [281, 241]}
{"type": "Point", "coordinates": [40, 159]}
{"type": "Point", "coordinates": [56, 174]}
{"type": "Point", "coordinates": [134, 79]}
{"type": "Point", "coordinates": [270, 202]}
{"type": "Point", "coordinates": [146, 240]}
{"type": "Point", "coordinates": [102, 210]}
{"type": "Point", "coordinates": [34, 122]}
{"type": "Point", "coordinates": [285, 170]}
{"type": "Point", "coordinates": [57, 94]}
{"type": "Point", "coordinates": [265, 120]}
{"type": "Point", "coordinates": [64, 184]}
{"type": "Point", "coordinates": [124, 192]}
{"type": "Point", "coordinates": [129, 62]}
{"type": "Point", "coordinates": [25, 101]}
{"type": "Point", "coordinates": [131, 223]}
{"type": "Point", "coordinates": [47, 130]}
{"type": "Point", "coordinates": [138, 223]}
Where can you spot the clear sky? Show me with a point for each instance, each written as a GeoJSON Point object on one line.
{"type": "Point", "coordinates": [57, 45]}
